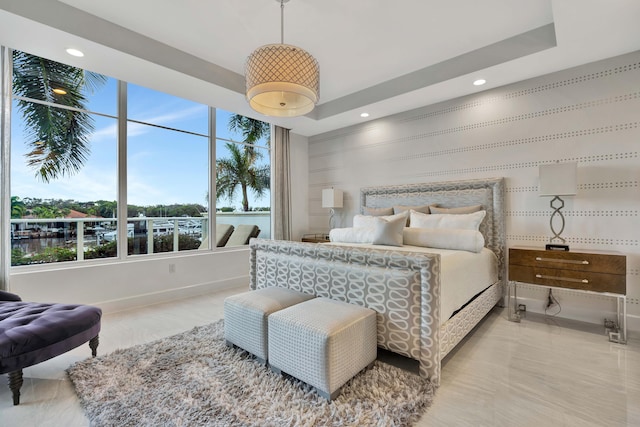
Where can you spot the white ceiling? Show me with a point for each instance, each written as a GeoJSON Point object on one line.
{"type": "Point", "coordinates": [382, 57]}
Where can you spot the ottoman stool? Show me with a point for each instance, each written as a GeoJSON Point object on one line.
{"type": "Point", "coordinates": [323, 342]}
{"type": "Point", "coordinates": [245, 317]}
{"type": "Point", "coordinates": [33, 332]}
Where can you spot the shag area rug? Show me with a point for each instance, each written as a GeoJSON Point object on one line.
{"type": "Point", "coordinates": [194, 379]}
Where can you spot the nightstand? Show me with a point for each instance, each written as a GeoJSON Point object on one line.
{"type": "Point", "coordinates": [316, 238]}
{"type": "Point", "coordinates": [603, 273]}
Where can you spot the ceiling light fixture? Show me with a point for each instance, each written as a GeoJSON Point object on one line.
{"type": "Point", "coordinates": [282, 80]}
{"type": "Point", "coordinates": [75, 52]}
{"type": "Point", "coordinates": [364, 115]}
{"type": "Point", "coordinates": [479, 82]}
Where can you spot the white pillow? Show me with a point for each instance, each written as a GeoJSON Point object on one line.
{"type": "Point", "coordinates": [370, 221]}
{"type": "Point", "coordinates": [442, 238]}
{"type": "Point", "coordinates": [352, 235]}
{"type": "Point", "coordinates": [389, 232]}
{"type": "Point", "coordinates": [449, 221]}
{"type": "Point", "coordinates": [401, 209]}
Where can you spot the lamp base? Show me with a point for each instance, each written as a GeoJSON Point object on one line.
{"type": "Point", "coordinates": [556, 247]}
{"type": "Point", "coordinates": [332, 212]}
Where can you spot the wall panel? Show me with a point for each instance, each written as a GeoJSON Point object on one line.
{"type": "Point", "coordinates": [588, 114]}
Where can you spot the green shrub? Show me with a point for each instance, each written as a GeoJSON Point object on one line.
{"type": "Point", "coordinates": [53, 255]}
{"type": "Point", "coordinates": [18, 258]}
{"type": "Point", "coordinates": [165, 243]}
{"type": "Point", "coordinates": [108, 250]}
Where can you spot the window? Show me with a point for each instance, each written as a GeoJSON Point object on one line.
{"type": "Point", "coordinates": [242, 179]}
{"type": "Point", "coordinates": [63, 162]}
{"type": "Point", "coordinates": [64, 169]}
{"type": "Point", "coordinates": [167, 171]}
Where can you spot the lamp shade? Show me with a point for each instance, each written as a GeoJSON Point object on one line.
{"type": "Point", "coordinates": [282, 80]}
{"type": "Point", "coordinates": [331, 198]}
{"type": "Point", "coordinates": [558, 179]}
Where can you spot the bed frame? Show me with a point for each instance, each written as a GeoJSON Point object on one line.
{"type": "Point", "coordinates": [403, 288]}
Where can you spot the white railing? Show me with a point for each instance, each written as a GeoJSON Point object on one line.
{"type": "Point", "coordinates": [105, 230]}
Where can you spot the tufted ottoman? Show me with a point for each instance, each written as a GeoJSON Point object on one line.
{"type": "Point", "coordinates": [245, 317]}
{"type": "Point", "coordinates": [31, 333]}
{"type": "Point", "coordinates": [323, 342]}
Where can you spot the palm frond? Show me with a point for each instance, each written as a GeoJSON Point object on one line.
{"type": "Point", "coordinates": [252, 130]}
{"type": "Point", "coordinates": [58, 138]}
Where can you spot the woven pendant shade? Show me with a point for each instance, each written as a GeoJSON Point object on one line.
{"type": "Point", "coordinates": [282, 80]}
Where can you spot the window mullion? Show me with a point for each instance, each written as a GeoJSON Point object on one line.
{"type": "Point", "coordinates": [211, 203]}
{"type": "Point", "coordinates": [122, 170]}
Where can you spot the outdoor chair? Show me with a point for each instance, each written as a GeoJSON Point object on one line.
{"type": "Point", "coordinates": [223, 232]}
{"type": "Point", "coordinates": [242, 234]}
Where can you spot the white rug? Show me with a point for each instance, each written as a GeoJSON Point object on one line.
{"type": "Point", "coordinates": [194, 379]}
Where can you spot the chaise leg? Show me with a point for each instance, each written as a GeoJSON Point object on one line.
{"type": "Point", "coordinates": [93, 344]}
{"type": "Point", "coordinates": [15, 382]}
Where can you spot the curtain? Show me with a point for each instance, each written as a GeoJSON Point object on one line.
{"type": "Point", "coordinates": [281, 191]}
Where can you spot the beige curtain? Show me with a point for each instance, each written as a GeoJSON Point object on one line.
{"type": "Point", "coordinates": [281, 191]}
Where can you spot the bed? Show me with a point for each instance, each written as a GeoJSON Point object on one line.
{"type": "Point", "coordinates": [402, 284]}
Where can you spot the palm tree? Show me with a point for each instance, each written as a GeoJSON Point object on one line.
{"type": "Point", "coordinates": [49, 212]}
{"type": "Point", "coordinates": [58, 137]}
{"type": "Point", "coordinates": [240, 170]}
{"type": "Point", "coordinates": [18, 208]}
{"type": "Point", "coordinates": [252, 130]}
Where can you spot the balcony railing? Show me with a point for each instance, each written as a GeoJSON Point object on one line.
{"type": "Point", "coordinates": [146, 235]}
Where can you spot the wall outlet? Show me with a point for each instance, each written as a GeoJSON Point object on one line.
{"type": "Point", "coordinates": [172, 268]}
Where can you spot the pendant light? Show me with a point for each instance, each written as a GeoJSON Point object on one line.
{"type": "Point", "coordinates": [282, 80]}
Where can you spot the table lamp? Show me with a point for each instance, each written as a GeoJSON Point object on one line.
{"type": "Point", "coordinates": [558, 179]}
{"type": "Point", "coordinates": [331, 198]}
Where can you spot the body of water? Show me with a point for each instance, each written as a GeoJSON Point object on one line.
{"type": "Point", "coordinates": [35, 246]}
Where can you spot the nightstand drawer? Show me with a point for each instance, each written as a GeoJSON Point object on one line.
{"type": "Point", "coordinates": [579, 261]}
{"type": "Point", "coordinates": [572, 279]}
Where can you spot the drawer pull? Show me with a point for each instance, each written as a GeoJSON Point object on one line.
{"type": "Point", "coordinates": [565, 261]}
{"type": "Point", "coordinates": [565, 279]}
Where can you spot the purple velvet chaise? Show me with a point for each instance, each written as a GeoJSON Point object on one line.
{"type": "Point", "coordinates": [32, 332]}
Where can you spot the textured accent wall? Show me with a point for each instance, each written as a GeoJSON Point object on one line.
{"type": "Point", "coordinates": [588, 114]}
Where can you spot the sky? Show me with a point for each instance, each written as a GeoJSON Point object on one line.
{"type": "Point", "coordinates": [163, 166]}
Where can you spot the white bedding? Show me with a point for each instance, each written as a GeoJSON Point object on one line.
{"type": "Point", "coordinates": [463, 274]}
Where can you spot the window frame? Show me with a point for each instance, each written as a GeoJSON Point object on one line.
{"type": "Point", "coordinates": [6, 64]}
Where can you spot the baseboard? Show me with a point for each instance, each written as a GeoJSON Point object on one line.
{"type": "Point", "coordinates": [137, 301]}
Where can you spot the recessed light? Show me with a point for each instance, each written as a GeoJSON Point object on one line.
{"type": "Point", "coordinates": [364, 115]}
{"type": "Point", "coordinates": [59, 91]}
{"type": "Point", "coordinates": [75, 52]}
{"type": "Point", "coordinates": [479, 82]}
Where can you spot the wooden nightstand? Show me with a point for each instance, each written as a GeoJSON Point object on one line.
{"type": "Point", "coordinates": [604, 273]}
{"type": "Point", "coordinates": [316, 238]}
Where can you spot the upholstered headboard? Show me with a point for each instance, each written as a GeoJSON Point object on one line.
{"type": "Point", "coordinates": [449, 194]}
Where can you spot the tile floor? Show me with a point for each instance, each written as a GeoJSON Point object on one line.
{"type": "Point", "coordinates": [541, 372]}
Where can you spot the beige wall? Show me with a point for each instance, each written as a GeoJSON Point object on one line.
{"type": "Point", "coordinates": [589, 114]}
